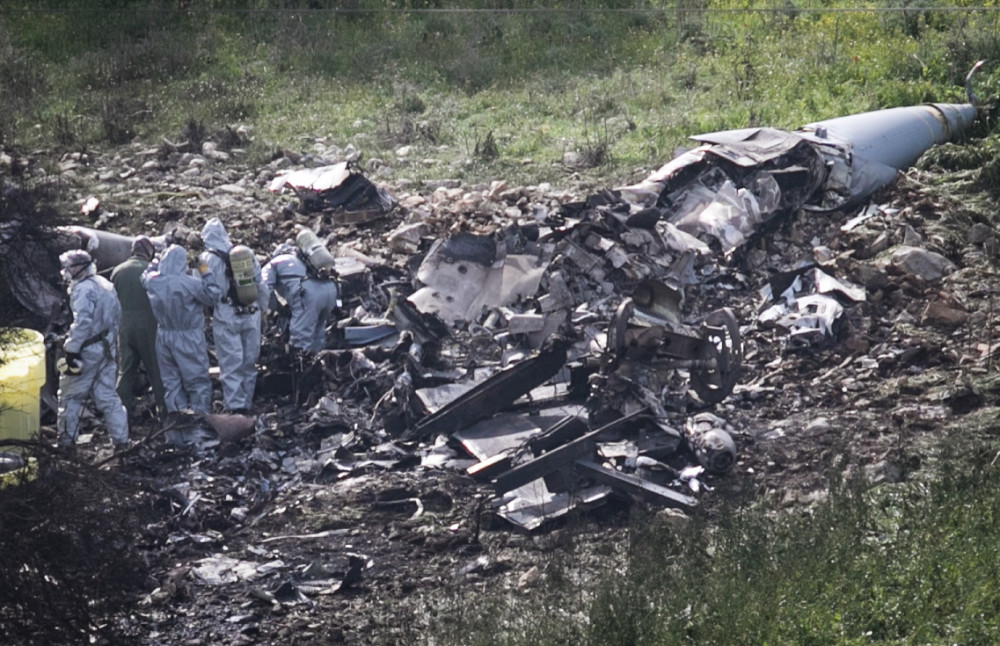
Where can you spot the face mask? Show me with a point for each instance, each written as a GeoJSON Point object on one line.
{"type": "Point", "coordinates": [67, 275]}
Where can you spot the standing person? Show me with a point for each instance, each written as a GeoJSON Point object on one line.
{"type": "Point", "coordinates": [178, 300]}
{"type": "Point", "coordinates": [87, 371]}
{"type": "Point", "coordinates": [311, 295]}
{"type": "Point", "coordinates": [137, 334]}
{"type": "Point", "coordinates": [235, 324]}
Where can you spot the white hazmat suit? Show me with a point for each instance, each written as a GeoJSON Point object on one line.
{"type": "Point", "coordinates": [91, 352]}
{"type": "Point", "coordinates": [235, 327]}
{"type": "Point", "coordinates": [312, 300]}
{"type": "Point", "coordinates": [179, 300]}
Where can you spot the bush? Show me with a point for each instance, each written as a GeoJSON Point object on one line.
{"type": "Point", "coordinates": [70, 572]}
{"type": "Point", "coordinates": [902, 563]}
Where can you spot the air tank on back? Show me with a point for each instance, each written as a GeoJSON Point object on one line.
{"type": "Point", "coordinates": [241, 264]}
{"type": "Point", "coordinates": [315, 251]}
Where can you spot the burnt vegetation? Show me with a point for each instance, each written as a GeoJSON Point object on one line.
{"type": "Point", "coordinates": [71, 567]}
{"type": "Point", "coordinates": [28, 210]}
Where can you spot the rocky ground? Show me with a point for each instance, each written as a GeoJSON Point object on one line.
{"type": "Point", "coordinates": [325, 526]}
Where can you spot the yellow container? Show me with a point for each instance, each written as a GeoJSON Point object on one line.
{"type": "Point", "coordinates": [22, 377]}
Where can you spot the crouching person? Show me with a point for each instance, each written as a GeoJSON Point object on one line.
{"type": "Point", "coordinates": [179, 300]}
{"type": "Point", "coordinates": [309, 288]}
{"type": "Point", "coordinates": [88, 369]}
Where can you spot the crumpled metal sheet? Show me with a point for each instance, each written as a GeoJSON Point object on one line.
{"type": "Point", "coordinates": [532, 505]}
{"type": "Point", "coordinates": [463, 274]}
{"type": "Point", "coordinates": [37, 295]}
{"type": "Point", "coordinates": [322, 178]}
{"type": "Point", "coordinates": [807, 304]}
{"type": "Point", "coordinates": [219, 570]}
{"type": "Point", "coordinates": [748, 147]}
{"type": "Point", "coordinates": [336, 186]}
{"type": "Point", "coordinates": [495, 393]}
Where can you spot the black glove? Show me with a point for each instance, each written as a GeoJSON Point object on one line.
{"type": "Point", "coordinates": [279, 311]}
{"type": "Point", "coordinates": [280, 317]}
{"type": "Point", "coordinates": [70, 364]}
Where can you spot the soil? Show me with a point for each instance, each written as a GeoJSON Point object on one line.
{"type": "Point", "coordinates": [272, 539]}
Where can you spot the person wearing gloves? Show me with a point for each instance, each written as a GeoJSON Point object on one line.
{"type": "Point", "coordinates": [178, 300]}
{"type": "Point", "coordinates": [137, 334]}
{"type": "Point", "coordinates": [236, 320]}
{"type": "Point", "coordinates": [88, 368]}
{"type": "Point", "coordinates": [311, 295]}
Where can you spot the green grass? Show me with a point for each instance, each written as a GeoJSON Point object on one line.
{"type": "Point", "coordinates": [624, 88]}
{"type": "Point", "coordinates": [910, 563]}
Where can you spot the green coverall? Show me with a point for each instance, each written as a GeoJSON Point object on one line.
{"type": "Point", "coordinates": [136, 335]}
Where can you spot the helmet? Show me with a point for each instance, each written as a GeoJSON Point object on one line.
{"type": "Point", "coordinates": [76, 264]}
{"type": "Point", "coordinates": [75, 258]}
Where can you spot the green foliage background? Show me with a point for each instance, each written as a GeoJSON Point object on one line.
{"type": "Point", "coordinates": [624, 82]}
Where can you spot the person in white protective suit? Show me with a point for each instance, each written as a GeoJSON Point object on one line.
{"type": "Point", "coordinates": [312, 296]}
{"type": "Point", "coordinates": [179, 299]}
{"type": "Point", "coordinates": [236, 327]}
{"type": "Point", "coordinates": [89, 367]}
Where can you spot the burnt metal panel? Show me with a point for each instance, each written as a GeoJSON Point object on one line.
{"type": "Point", "coordinates": [495, 393]}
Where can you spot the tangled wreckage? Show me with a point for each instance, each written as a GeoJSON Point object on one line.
{"type": "Point", "coordinates": [548, 349]}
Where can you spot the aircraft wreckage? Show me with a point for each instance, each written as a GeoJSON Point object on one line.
{"type": "Point", "coordinates": [739, 179]}
{"type": "Point", "coordinates": [552, 350]}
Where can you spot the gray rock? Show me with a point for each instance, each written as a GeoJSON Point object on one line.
{"type": "Point", "coordinates": [926, 265]}
{"type": "Point", "coordinates": [979, 233]}
{"type": "Point", "coordinates": [211, 151]}
{"type": "Point", "coordinates": [435, 184]}
{"type": "Point", "coordinates": [911, 238]}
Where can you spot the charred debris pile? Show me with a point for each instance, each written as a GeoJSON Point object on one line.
{"type": "Point", "coordinates": [539, 350]}
{"type": "Point", "coordinates": [58, 534]}
{"type": "Point", "coordinates": [556, 346]}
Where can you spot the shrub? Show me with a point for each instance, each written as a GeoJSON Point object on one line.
{"type": "Point", "coordinates": [69, 568]}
